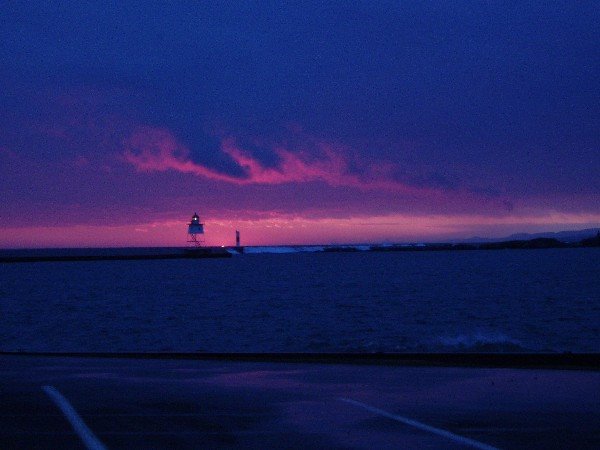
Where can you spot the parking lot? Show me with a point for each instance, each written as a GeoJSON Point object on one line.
{"type": "Point", "coordinates": [96, 403]}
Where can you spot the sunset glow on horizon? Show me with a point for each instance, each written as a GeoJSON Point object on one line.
{"type": "Point", "coordinates": [294, 231]}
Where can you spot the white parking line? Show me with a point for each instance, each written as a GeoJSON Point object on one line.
{"type": "Point", "coordinates": [87, 436]}
{"type": "Point", "coordinates": [421, 426]}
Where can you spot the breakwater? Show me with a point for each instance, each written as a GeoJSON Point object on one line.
{"type": "Point", "coordinates": [117, 255]}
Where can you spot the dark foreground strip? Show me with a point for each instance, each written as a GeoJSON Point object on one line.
{"type": "Point", "coordinates": [575, 361]}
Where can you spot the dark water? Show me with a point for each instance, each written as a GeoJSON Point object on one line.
{"type": "Point", "coordinates": [509, 300]}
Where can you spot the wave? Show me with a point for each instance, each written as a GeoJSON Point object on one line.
{"type": "Point", "coordinates": [284, 249]}
{"type": "Point", "coordinates": [480, 342]}
{"type": "Point", "coordinates": [306, 248]}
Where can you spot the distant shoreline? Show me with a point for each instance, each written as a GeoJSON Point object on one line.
{"type": "Point", "coordinates": [160, 253]}
{"type": "Point", "coordinates": [536, 243]}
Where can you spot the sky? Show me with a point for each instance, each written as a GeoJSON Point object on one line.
{"type": "Point", "coordinates": [296, 122]}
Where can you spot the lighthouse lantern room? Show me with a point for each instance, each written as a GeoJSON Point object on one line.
{"type": "Point", "coordinates": [195, 232]}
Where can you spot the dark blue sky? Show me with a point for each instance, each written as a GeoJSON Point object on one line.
{"type": "Point", "coordinates": [332, 109]}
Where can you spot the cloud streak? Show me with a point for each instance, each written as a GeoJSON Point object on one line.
{"type": "Point", "coordinates": [157, 150]}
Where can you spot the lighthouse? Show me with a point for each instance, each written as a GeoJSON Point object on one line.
{"type": "Point", "coordinates": [195, 231]}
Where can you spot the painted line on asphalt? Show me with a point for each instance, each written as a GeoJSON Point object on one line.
{"type": "Point", "coordinates": [83, 431]}
{"type": "Point", "coordinates": [421, 426]}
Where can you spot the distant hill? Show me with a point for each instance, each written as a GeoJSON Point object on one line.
{"type": "Point", "coordinates": [563, 236]}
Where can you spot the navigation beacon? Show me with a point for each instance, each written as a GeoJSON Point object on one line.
{"type": "Point", "coordinates": [195, 232]}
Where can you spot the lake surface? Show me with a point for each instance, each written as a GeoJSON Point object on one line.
{"type": "Point", "coordinates": [505, 300]}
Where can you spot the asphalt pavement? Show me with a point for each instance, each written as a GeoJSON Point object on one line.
{"type": "Point", "coordinates": [119, 403]}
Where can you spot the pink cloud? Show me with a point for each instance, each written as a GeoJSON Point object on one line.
{"type": "Point", "coordinates": [157, 150]}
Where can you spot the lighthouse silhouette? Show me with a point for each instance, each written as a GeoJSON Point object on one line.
{"type": "Point", "coordinates": [195, 231]}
